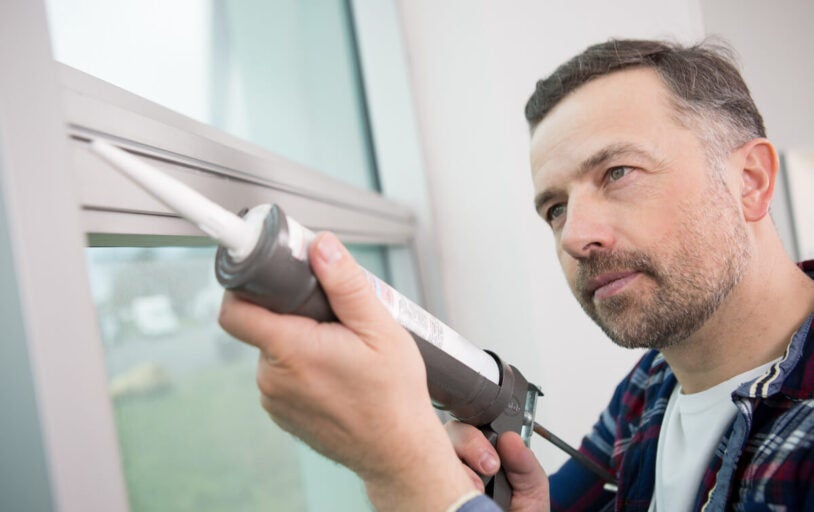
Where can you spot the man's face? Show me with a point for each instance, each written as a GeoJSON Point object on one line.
{"type": "Point", "coordinates": [650, 237]}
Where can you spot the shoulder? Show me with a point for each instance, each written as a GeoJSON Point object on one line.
{"type": "Point", "coordinates": [778, 460]}
{"type": "Point", "coordinates": [795, 376]}
{"type": "Point", "coordinates": [650, 379]}
{"type": "Point", "coordinates": [638, 400]}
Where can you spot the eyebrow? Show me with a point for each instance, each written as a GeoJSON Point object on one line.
{"type": "Point", "coordinates": [597, 159]}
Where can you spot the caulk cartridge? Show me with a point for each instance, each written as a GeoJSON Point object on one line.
{"type": "Point", "coordinates": [263, 257]}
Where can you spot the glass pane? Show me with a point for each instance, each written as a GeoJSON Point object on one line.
{"type": "Point", "coordinates": [192, 434]}
{"type": "Point", "coordinates": [281, 74]}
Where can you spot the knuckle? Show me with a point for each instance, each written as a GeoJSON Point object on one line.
{"type": "Point", "coordinates": [265, 384]}
{"type": "Point", "coordinates": [224, 316]}
{"type": "Point", "coordinates": [265, 403]}
{"type": "Point", "coordinates": [352, 283]}
{"type": "Point", "coordinates": [272, 410]}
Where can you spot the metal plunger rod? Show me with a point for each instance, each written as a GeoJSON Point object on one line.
{"type": "Point", "coordinates": [580, 457]}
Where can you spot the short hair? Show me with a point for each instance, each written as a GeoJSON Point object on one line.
{"type": "Point", "coordinates": [709, 94]}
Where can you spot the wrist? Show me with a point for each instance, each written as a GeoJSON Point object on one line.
{"type": "Point", "coordinates": [427, 476]}
{"type": "Point", "coordinates": [462, 500]}
{"type": "Point", "coordinates": [431, 491]}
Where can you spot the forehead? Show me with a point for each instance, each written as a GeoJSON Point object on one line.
{"type": "Point", "coordinates": [630, 107]}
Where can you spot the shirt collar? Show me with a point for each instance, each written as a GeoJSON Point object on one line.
{"type": "Point", "coordinates": [793, 374]}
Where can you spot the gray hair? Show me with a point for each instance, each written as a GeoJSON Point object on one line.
{"type": "Point", "coordinates": [709, 94]}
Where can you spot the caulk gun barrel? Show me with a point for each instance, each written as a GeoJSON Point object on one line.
{"type": "Point", "coordinates": [264, 258]}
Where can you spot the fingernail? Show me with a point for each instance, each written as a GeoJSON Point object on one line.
{"type": "Point", "coordinates": [329, 250]}
{"type": "Point", "coordinates": [488, 463]}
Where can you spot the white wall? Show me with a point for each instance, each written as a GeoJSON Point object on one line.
{"type": "Point", "coordinates": [474, 64]}
{"type": "Point", "coordinates": [776, 49]}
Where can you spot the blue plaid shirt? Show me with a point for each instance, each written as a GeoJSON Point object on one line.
{"type": "Point", "coordinates": [764, 462]}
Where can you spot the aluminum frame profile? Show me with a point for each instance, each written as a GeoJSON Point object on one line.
{"type": "Point", "coordinates": [230, 171]}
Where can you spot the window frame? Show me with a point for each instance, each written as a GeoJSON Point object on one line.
{"type": "Point", "coordinates": [58, 198]}
{"type": "Point", "coordinates": [231, 172]}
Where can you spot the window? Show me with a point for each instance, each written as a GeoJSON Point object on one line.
{"type": "Point", "coordinates": [191, 434]}
{"type": "Point", "coordinates": [122, 366]}
{"type": "Point", "coordinates": [282, 75]}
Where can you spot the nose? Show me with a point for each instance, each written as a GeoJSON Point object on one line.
{"type": "Point", "coordinates": [587, 228]}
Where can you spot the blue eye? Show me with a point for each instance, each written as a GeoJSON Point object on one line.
{"type": "Point", "coordinates": [618, 172]}
{"type": "Point", "coordinates": [554, 212]}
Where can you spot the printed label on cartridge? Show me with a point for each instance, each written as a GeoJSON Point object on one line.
{"type": "Point", "coordinates": [384, 293]}
{"type": "Point", "coordinates": [413, 318]}
{"type": "Point", "coordinates": [416, 320]}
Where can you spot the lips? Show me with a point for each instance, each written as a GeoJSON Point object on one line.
{"type": "Point", "coordinates": [608, 284]}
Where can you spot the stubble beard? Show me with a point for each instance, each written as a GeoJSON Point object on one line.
{"type": "Point", "coordinates": [687, 286]}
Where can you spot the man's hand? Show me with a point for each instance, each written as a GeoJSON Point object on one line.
{"type": "Point", "coordinates": [527, 478]}
{"type": "Point", "coordinates": [356, 391]}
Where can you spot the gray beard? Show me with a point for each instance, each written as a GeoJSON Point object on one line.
{"type": "Point", "coordinates": [690, 285]}
{"type": "Point", "coordinates": [675, 311]}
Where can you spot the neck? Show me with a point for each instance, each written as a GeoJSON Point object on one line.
{"type": "Point", "coordinates": [752, 327]}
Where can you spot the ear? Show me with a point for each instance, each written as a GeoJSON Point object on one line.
{"type": "Point", "coordinates": [758, 174]}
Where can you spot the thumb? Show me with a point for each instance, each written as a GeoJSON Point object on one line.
{"type": "Point", "coordinates": [349, 292]}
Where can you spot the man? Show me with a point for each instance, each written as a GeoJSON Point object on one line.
{"type": "Point", "coordinates": [650, 164]}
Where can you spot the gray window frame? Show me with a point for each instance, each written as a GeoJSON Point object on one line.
{"type": "Point", "coordinates": [57, 197]}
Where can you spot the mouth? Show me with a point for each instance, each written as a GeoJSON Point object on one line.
{"type": "Point", "coordinates": [609, 284]}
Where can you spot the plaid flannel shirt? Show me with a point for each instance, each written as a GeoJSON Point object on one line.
{"type": "Point", "coordinates": [765, 461]}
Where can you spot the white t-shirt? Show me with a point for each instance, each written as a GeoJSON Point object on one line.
{"type": "Point", "coordinates": [690, 431]}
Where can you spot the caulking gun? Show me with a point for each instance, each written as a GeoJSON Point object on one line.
{"type": "Point", "coordinates": [263, 257]}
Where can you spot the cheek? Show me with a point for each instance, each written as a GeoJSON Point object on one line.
{"type": "Point", "coordinates": [653, 219]}
{"type": "Point", "coordinates": [659, 224]}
